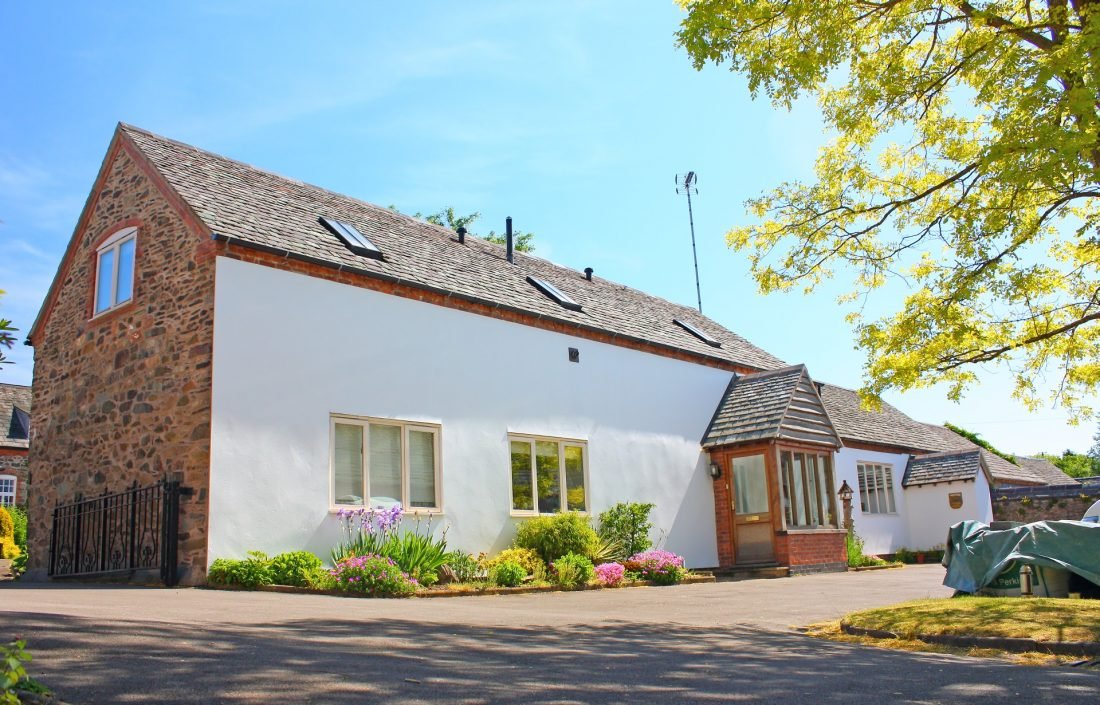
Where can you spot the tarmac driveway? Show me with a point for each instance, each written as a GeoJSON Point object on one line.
{"type": "Point", "coordinates": [697, 643]}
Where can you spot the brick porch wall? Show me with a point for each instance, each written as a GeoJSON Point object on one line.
{"type": "Point", "coordinates": [811, 551]}
{"type": "Point", "coordinates": [125, 397]}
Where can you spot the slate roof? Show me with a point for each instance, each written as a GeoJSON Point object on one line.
{"type": "Point", "coordinates": [263, 210]}
{"type": "Point", "coordinates": [950, 466]}
{"type": "Point", "coordinates": [779, 404]}
{"type": "Point", "coordinates": [889, 426]}
{"type": "Point", "coordinates": [1003, 472]}
{"type": "Point", "coordinates": [886, 426]}
{"type": "Point", "coordinates": [15, 409]}
{"type": "Point", "coordinates": [1046, 471]}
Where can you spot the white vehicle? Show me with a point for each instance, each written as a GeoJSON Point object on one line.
{"type": "Point", "coordinates": [1092, 516]}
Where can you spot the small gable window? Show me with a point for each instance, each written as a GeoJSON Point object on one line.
{"type": "Point", "coordinates": [114, 279]}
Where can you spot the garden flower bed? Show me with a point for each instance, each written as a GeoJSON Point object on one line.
{"type": "Point", "coordinates": [468, 589]}
{"type": "Point", "coordinates": [377, 558]}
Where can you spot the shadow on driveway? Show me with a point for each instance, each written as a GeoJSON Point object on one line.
{"type": "Point", "coordinates": [403, 661]}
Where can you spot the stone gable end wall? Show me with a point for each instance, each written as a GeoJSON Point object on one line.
{"type": "Point", "coordinates": [126, 397]}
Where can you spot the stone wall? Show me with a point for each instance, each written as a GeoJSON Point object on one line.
{"type": "Point", "coordinates": [13, 461]}
{"type": "Point", "coordinates": [1044, 505]}
{"type": "Point", "coordinates": [125, 396]}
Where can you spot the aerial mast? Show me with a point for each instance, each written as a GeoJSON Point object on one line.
{"type": "Point", "coordinates": [685, 184]}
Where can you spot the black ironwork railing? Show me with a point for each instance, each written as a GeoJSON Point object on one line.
{"type": "Point", "coordinates": [122, 532]}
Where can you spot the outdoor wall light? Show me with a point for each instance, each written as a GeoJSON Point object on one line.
{"type": "Point", "coordinates": [715, 470]}
{"type": "Point", "coordinates": [845, 492]}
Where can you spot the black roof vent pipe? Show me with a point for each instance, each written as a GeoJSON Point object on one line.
{"type": "Point", "coordinates": [461, 235]}
{"type": "Point", "coordinates": [588, 273]}
{"type": "Point", "coordinates": [508, 238]}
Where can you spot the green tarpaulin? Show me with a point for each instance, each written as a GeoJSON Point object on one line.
{"type": "Point", "coordinates": [976, 554]}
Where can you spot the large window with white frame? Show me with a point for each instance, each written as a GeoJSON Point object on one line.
{"type": "Point", "coordinates": [876, 488]}
{"type": "Point", "coordinates": [114, 279]}
{"type": "Point", "coordinates": [379, 462]}
{"type": "Point", "coordinates": [7, 490]}
{"type": "Point", "coordinates": [548, 475]}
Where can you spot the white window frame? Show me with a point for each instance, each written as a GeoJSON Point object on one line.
{"type": "Point", "coordinates": [881, 472]}
{"type": "Point", "coordinates": [114, 244]}
{"type": "Point", "coordinates": [7, 499]}
{"type": "Point", "coordinates": [406, 427]}
{"type": "Point", "coordinates": [562, 486]}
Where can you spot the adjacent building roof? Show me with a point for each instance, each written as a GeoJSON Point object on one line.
{"type": "Point", "coordinates": [952, 466]}
{"type": "Point", "coordinates": [890, 427]}
{"type": "Point", "coordinates": [778, 405]}
{"type": "Point", "coordinates": [1003, 471]}
{"type": "Point", "coordinates": [885, 426]}
{"type": "Point", "coordinates": [15, 416]}
{"type": "Point", "coordinates": [1046, 470]}
{"type": "Point", "coordinates": [253, 208]}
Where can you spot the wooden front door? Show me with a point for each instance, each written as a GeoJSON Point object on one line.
{"type": "Point", "coordinates": [752, 521]}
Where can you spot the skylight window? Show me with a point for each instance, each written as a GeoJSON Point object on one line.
{"type": "Point", "coordinates": [355, 241]}
{"type": "Point", "coordinates": [697, 333]}
{"type": "Point", "coordinates": [554, 293]}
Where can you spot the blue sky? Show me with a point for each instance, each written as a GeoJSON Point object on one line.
{"type": "Point", "coordinates": [572, 117]}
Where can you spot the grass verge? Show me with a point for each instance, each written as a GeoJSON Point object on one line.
{"type": "Point", "coordinates": [1041, 619]}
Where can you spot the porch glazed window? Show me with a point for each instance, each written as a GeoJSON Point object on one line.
{"type": "Point", "coordinates": [114, 279]}
{"type": "Point", "coordinates": [807, 489]}
{"type": "Point", "coordinates": [548, 473]}
{"type": "Point", "coordinates": [876, 488]}
{"type": "Point", "coordinates": [379, 462]}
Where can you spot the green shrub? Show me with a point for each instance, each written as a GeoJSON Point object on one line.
{"type": "Point", "coordinates": [418, 554]}
{"type": "Point", "coordinates": [507, 574]}
{"type": "Point", "coordinates": [320, 578]}
{"type": "Point", "coordinates": [572, 569]}
{"type": "Point", "coordinates": [527, 558]}
{"type": "Point", "coordinates": [904, 555]}
{"type": "Point", "coordinates": [14, 680]}
{"type": "Point", "coordinates": [464, 567]}
{"type": "Point", "coordinates": [557, 535]}
{"type": "Point", "coordinates": [291, 568]}
{"type": "Point", "coordinates": [19, 524]}
{"type": "Point", "coordinates": [378, 576]}
{"type": "Point", "coordinates": [628, 525]}
{"type": "Point", "coordinates": [854, 545]}
{"type": "Point", "coordinates": [251, 572]}
{"type": "Point", "coordinates": [8, 548]}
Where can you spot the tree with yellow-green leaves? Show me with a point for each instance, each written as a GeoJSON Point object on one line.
{"type": "Point", "coordinates": [964, 157]}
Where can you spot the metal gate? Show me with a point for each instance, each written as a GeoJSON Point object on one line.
{"type": "Point", "coordinates": [125, 532]}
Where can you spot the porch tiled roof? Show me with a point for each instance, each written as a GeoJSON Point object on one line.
{"type": "Point", "coordinates": [950, 466]}
{"type": "Point", "coordinates": [256, 208]}
{"type": "Point", "coordinates": [780, 404]}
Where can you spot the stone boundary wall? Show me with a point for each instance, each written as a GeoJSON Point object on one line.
{"type": "Point", "coordinates": [1046, 503]}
